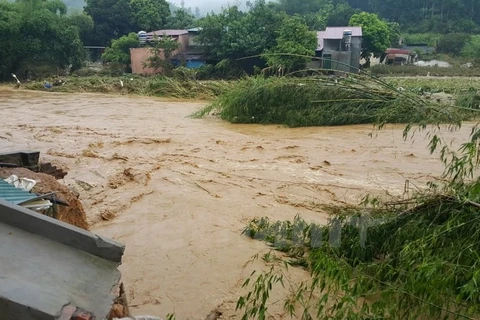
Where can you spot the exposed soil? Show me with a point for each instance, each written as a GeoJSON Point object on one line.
{"type": "Point", "coordinates": [73, 214]}
{"type": "Point", "coordinates": [179, 191]}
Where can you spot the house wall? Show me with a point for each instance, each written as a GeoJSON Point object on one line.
{"type": "Point", "coordinates": [138, 56]}
{"type": "Point", "coordinates": [352, 57]}
{"type": "Point", "coordinates": [191, 39]}
{"type": "Point", "coordinates": [356, 49]}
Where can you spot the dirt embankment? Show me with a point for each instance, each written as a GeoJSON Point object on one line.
{"type": "Point", "coordinates": [73, 213]}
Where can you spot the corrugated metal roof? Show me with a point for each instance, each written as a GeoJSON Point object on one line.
{"type": "Point", "coordinates": [14, 195]}
{"type": "Point", "coordinates": [171, 33]}
{"type": "Point", "coordinates": [337, 32]}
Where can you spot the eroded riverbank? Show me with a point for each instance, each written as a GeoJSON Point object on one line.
{"type": "Point", "coordinates": [178, 191]}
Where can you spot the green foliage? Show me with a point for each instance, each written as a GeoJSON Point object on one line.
{"type": "Point", "coordinates": [470, 99]}
{"type": "Point", "coordinates": [37, 30]}
{"type": "Point", "coordinates": [181, 19]}
{"type": "Point", "coordinates": [84, 24]}
{"type": "Point", "coordinates": [233, 34]}
{"type": "Point", "coordinates": [430, 39]}
{"type": "Point", "coordinates": [119, 51]}
{"type": "Point", "coordinates": [472, 47]}
{"type": "Point", "coordinates": [150, 15]}
{"type": "Point", "coordinates": [226, 69]}
{"type": "Point", "coordinates": [295, 45]}
{"type": "Point", "coordinates": [162, 54]}
{"type": "Point", "coordinates": [452, 43]}
{"type": "Point", "coordinates": [112, 19]}
{"type": "Point", "coordinates": [376, 34]}
{"type": "Point", "coordinates": [322, 102]}
{"type": "Point", "coordinates": [401, 263]}
{"type": "Point", "coordinates": [414, 16]}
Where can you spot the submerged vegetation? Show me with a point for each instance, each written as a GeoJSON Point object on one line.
{"type": "Point", "coordinates": [401, 263]}
{"type": "Point", "coordinates": [321, 101]}
{"type": "Point", "coordinates": [158, 86]}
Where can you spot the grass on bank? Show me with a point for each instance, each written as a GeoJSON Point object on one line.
{"type": "Point", "coordinates": [411, 70]}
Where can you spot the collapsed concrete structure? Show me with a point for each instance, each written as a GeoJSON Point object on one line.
{"type": "Point", "coordinates": [52, 270]}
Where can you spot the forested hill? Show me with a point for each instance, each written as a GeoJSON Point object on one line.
{"type": "Point", "coordinates": [77, 5]}
{"type": "Point", "coordinates": [443, 16]}
{"type": "Point", "coordinates": [414, 16]}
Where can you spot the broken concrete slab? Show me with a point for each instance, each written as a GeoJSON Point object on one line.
{"type": "Point", "coordinates": [60, 232]}
{"type": "Point", "coordinates": [27, 159]}
{"type": "Point", "coordinates": [43, 276]}
{"type": "Point", "coordinates": [47, 265]}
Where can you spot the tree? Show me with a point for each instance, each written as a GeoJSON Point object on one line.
{"type": "Point", "coordinates": [233, 34]}
{"type": "Point", "coordinates": [112, 19]}
{"type": "Point", "coordinates": [36, 32]}
{"type": "Point", "coordinates": [150, 15]}
{"type": "Point", "coordinates": [119, 50]}
{"type": "Point", "coordinates": [375, 34]}
{"type": "Point", "coordinates": [295, 46]}
{"type": "Point", "coordinates": [340, 15]}
{"type": "Point", "coordinates": [472, 48]}
{"type": "Point", "coordinates": [162, 51]}
{"type": "Point", "coordinates": [452, 43]}
{"type": "Point", "coordinates": [84, 23]}
{"type": "Point", "coordinates": [180, 19]}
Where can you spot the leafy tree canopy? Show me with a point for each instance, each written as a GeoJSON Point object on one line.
{"type": "Point", "coordinates": [112, 19]}
{"type": "Point", "coordinates": [376, 34]}
{"type": "Point", "coordinates": [37, 31]}
{"type": "Point", "coordinates": [150, 15]}
{"type": "Point", "coordinates": [234, 34]}
{"type": "Point", "coordinates": [181, 19]}
{"type": "Point", "coordinates": [119, 50]}
{"type": "Point", "coordinates": [295, 45]}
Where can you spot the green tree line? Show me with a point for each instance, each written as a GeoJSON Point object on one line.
{"type": "Point", "coordinates": [43, 32]}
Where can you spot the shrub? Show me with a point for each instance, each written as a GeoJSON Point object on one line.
{"type": "Point", "coordinates": [452, 43]}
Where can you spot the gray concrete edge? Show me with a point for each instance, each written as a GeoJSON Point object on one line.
{"type": "Point", "coordinates": [59, 231]}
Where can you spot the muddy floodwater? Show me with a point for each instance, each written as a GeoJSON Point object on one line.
{"type": "Point", "coordinates": [178, 191]}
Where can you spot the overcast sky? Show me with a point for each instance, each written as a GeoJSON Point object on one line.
{"type": "Point", "coordinates": [207, 6]}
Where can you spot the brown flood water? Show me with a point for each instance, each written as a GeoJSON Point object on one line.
{"type": "Point", "coordinates": [178, 191]}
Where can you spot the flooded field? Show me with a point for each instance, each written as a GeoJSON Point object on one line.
{"type": "Point", "coordinates": [178, 191]}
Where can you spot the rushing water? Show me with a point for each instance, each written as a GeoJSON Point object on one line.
{"type": "Point", "coordinates": [182, 189]}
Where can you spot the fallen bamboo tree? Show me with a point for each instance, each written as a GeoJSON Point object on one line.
{"type": "Point", "coordinates": [326, 101]}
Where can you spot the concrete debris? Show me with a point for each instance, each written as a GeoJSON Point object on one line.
{"type": "Point", "coordinates": [22, 183]}
{"type": "Point", "coordinates": [433, 63]}
{"type": "Point", "coordinates": [35, 243]}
